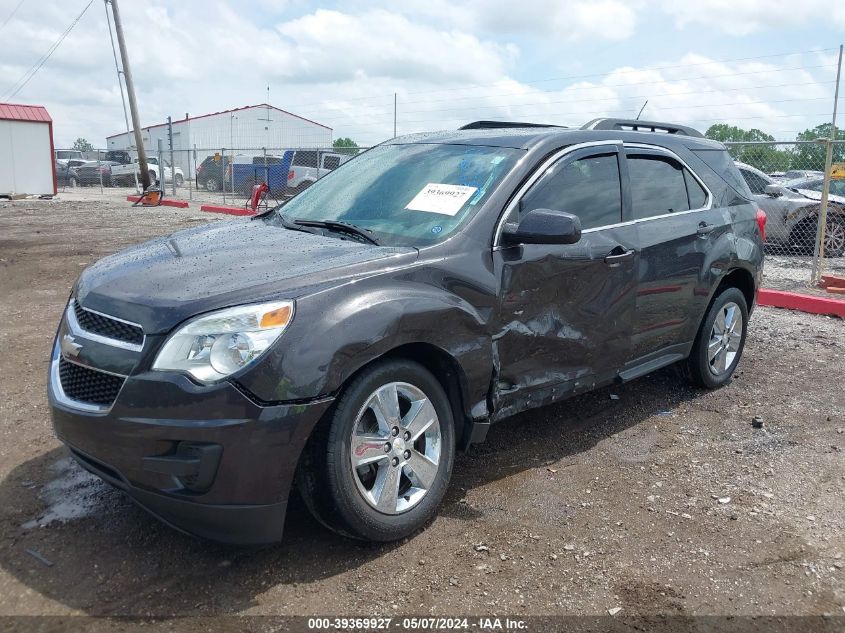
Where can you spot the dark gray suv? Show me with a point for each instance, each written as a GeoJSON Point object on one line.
{"type": "Point", "coordinates": [351, 340]}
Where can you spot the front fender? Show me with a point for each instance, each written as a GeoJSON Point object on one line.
{"type": "Point", "coordinates": [335, 333]}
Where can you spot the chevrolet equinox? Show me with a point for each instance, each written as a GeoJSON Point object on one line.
{"type": "Point", "coordinates": [349, 341]}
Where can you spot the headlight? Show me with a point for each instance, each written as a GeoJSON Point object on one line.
{"type": "Point", "coordinates": [218, 344]}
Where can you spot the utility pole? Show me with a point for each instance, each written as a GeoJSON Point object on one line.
{"type": "Point", "coordinates": [818, 251]}
{"type": "Point", "coordinates": [130, 93]}
{"type": "Point", "coordinates": [119, 84]}
{"type": "Point", "coordinates": [172, 160]}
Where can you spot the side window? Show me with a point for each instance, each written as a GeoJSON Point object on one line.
{"type": "Point", "coordinates": [697, 194]}
{"type": "Point", "coordinates": [755, 183]}
{"type": "Point", "coordinates": [587, 187]}
{"type": "Point", "coordinates": [331, 162]}
{"type": "Point", "coordinates": [658, 186]}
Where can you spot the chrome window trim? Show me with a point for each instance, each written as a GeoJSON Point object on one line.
{"type": "Point", "coordinates": [599, 144]}
{"type": "Point", "coordinates": [538, 173]}
{"type": "Point", "coordinates": [76, 328]}
{"type": "Point", "coordinates": [65, 400]}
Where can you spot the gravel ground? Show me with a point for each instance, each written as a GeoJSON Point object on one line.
{"type": "Point", "coordinates": [651, 497]}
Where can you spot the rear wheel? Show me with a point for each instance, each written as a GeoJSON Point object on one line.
{"type": "Point", "coordinates": [211, 184]}
{"type": "Point", "coordinates": [720, 341]}
{"type": "Point", "coordinates": [179, 180]}
{"type": "Point", "coordinates": [382, 464]}
{"type": "Point", "coordinates": [834, 237]}
{"type": "Point", "coordinates": [72, 182]}
{"type": "Point", "coordinates": [804, 235]}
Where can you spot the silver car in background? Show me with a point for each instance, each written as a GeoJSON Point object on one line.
{"type": "Point", "coordinates": [792, 209]}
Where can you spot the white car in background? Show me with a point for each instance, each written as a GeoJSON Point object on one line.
{"type": "Point", "coordinates": [792, 209]}
{"type": "Point", "coordinates": [308, 166]}
{"type": "Point", "coordinates": [124, 174]}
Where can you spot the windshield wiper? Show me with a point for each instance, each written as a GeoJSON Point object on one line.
{"type": "Point", "coordinates": [293, 226]}
{"type": "Point", "coordinates": [338, 225]}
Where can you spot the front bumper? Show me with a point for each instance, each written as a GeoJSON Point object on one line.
{"type": "Point", "coordinates": [208, 460]}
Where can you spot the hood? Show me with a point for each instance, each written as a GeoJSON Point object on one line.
{"type": "Point", "coordinates": [816, 195]}
{"type": "Point", "coordinates": [167, 280]}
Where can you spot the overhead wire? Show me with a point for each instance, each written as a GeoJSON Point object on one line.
{"type": "Point", "coordinates": [33, 70]}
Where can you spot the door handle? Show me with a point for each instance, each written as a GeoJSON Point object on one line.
{"type": "Point", "coordinates": [620, 258]}
{"type": "Point", "coordinates": [705, 229]}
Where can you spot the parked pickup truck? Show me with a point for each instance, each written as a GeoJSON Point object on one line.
{"type": "Point", "coordinates": [244, 172]}
{"type": "Point", "coordinates": [309, 166]}
{"type": "Point", "coordinates": [124, 174]}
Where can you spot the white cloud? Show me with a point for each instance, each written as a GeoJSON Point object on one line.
{"type": "Point", "coordinates": [449, 64]}
{"type": "Point", "coordinates": [742, 17]}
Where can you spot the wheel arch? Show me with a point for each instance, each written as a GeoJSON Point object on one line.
{"type": "Point", "coordinates": [444, 367]}
{"type": "Point", "coordinates": [743, 280]}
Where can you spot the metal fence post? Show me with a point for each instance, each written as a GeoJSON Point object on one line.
{"type": "Point", "coordinates": [819, 254]}
{"type": "Point", "coordinates": [223, 160]}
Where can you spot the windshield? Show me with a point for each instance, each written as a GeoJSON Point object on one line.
{"type": "Point", "coordinates": [406, 195]}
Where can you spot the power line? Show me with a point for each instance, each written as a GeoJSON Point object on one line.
{"type": "Point", "coordinates": [29, 74]}
{"type": "Point", "coordinates": [613, 72]}
{"type": "Point", "coordinates": [581, 89]}
{"type": "Point", "coordinates": [12, 14]}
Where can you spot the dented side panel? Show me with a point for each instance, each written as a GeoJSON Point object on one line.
{"type": "Point", "coordinates": [565, 318]}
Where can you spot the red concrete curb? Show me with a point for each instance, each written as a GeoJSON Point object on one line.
{"type": "Point", "coordinates": [804, 303]}
{"type": "Point", "coordinates": [213, 208]}
{"type": "Point", "coordinates": [181, 204]}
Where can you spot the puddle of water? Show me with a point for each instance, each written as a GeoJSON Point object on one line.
{"type": "Point", "coordinates": [73, 494]}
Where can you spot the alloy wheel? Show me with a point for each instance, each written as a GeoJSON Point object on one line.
{"type": "Point", "coordinates": [725, 339]}
{"type": "Point", "coordinates": [395, 448]}
{"type": "Point", "coordinates": [834, 242]}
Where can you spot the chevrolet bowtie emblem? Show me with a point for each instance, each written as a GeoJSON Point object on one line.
{"type": "Point", "coordinates": [69, 346]}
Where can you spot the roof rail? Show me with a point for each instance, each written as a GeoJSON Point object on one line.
{"type": "Point", "coordinates": [633, 125]}
{"type": "Point", "coordinates": [494, 125]}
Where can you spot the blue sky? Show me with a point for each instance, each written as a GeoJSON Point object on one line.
{"type": "Point", "coordinates": [339, 63]}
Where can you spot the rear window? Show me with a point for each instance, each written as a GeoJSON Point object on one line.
{"type": "Point", "coordinates": [305, 159]}
{"type": "Point", "coordinates": [720, 162]}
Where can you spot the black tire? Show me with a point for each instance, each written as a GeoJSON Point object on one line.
{"type": "Point", "coordinates": [326, 478]}
{"type": "Point", "coordinates": [699, 370]}
{"type": "Point", "coordinates": [72, 182]}
{"type": "Point", "coordinates": [212, 184]}
{"type": "Point", "coordinates": [153, 177]}
{"type": "Point", "coordinates": [179, 180]}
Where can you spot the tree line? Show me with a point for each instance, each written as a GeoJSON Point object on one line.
{"type": "Point", "coordinates": [771, 158]}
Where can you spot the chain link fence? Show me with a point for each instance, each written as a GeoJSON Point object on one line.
{"type": "Point", "coordinates": [787, 180]}
{"type": "Point", "coordinates": [224, 176]}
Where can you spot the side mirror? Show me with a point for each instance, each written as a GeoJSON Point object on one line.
{"type": "Point", "coordinates": [543, 226]}
{"type": "Point", "coordinates": [775, 191]}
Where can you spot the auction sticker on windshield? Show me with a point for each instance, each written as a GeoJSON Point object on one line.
{"type": "Point", "coordinates": [440, 198]}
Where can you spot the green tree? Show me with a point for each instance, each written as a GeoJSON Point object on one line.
{"type": "Point", "coordinates": [82, 145]}
{"type": "Point", "coordinates": [345, 145]}
{"type": "Point", "coordinates": [812, 155]}
{"type": "Point", "coordinates": [767, 158]}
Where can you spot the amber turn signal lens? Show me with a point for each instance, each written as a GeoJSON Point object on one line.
{"type": "Point", "coordinates": [276, 318]}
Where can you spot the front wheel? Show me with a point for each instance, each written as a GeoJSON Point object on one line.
{"type": "Point", "coordinates": [383, 465]}
{"type": "Point", "coordinates": [73, 182]}
{"type": "Point", "coordinates": [179, 180]}
{"type": "Point", "coordinates": [720, 341]}
{"type": "Point", "coordinates": [211, 184]}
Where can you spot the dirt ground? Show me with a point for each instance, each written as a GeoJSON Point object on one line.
{"type": "Point", "coordinates": [652, 497]}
